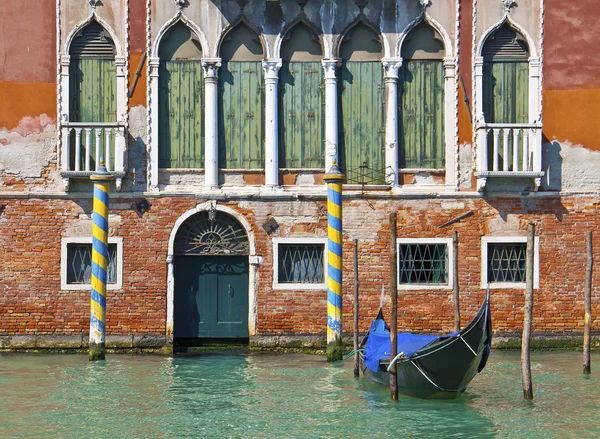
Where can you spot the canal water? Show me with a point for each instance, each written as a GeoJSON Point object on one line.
{"type": "Point", "coordinates": [271, 395]}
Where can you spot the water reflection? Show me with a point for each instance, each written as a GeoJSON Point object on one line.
{"type": "Point", "coordinates": [264, 395]}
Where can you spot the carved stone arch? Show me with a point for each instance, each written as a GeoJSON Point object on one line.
{"type": "Point", "coordinates": [508, 20]}
{"type": "Point", "coordinates": [180, 17]}
{"type": "Point", "coordinates": [346, 31]}
{"type": "Point", "coordinates": [242, 21]}
{"type": "Point", "coordinates": [361, 19]}
{"type": "Point", "coordinates": [301, 20]}
{"type": "Point", "coordinates": [435, 25]}
{"type": "Point", "coordinates": [93, 17]}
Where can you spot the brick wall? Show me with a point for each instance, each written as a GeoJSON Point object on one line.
{"type": "Point", "coordinates": [32, 301]}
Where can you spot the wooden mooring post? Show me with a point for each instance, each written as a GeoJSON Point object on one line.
{"type": "Point", "coordinates": [588, 304]}
{"type": "Point", "coordinates": [355, 256]}
{"type": "Point", "coordinates": [394, 299]}
{"type": "Point", "coordinates": [455, 286]}
{"type": "Point", "coordinates": [528, 312]}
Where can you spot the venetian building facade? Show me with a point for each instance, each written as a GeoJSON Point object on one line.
{"type": "Point", "coordinates": [219, 120]}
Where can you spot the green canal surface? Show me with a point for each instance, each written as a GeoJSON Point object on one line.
{"type": "Point", "coordinates": [271, 395]}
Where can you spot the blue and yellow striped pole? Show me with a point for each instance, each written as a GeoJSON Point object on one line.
{"type": "Point", "coordinates": [101, 179]}
{"type": "Point", "coordinates": [334, 179]}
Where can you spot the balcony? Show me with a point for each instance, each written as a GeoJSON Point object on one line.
{"type": "Point", "coordinates": [83, 146]}
{"type": "Point", "coordinates": [509, 150]}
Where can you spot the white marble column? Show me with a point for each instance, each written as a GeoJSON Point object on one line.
{"type": "Point", "coordinates": [331, 113]}
{"type": "Point", "coordinates": [271, 68]}
{"type": "Point", "coordinates": [391, 67]}
{"type": "Point", "coordinates": [211, 121]}
{"type": "Point", "coordinates": [450, 103]}
{"type": "Point", "coordinates": [153, 63]}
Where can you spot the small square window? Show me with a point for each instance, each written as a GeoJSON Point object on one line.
{"type": "Point", "coordinates": [76, 263]}
{"type": "Point", "coordinates": [503, 261]}
{"type": "Point", "coordinates": [299, 263]}
{"type": "Point", "coordinates": [79, 264]}
{"type": "Point", "coordinates": [424, 263]}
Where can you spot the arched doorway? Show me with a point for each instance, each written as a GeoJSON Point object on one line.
{"type": "Point", "coordinates": [211, 273]}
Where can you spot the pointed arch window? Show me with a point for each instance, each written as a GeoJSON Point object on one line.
{"type": "Point", "coordinates": [421, 100]}
{"type": "Point", "coordinates": [181, 100]}
{"type": "Point", "coordinates": [301, 102]}
{"type": "Point", "coordinates": [241, 100]}
{"type": "Point", "coordinates": [360, 114]}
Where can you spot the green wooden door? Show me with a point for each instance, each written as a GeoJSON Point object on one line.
{"type": "Point", "coordinates": [211, 297]}
{"type": "Point", "coordinates": [506, 91]}
{"type": "Point", "coordinates": [301, 115]}
{"type": "Point", "coordinates": [361, 119]}
{"type": "Point", "coordinates": [241, 115]}
{"type": "Point", "coordinates": [421, 115]}
{"type": "Point", "coordinates": [181, 115]}
{"type": "Point", "coordinates": [92, 84]}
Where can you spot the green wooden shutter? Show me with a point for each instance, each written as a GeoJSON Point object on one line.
{"type": "Point", "coordinates": [301, 115]}
{"type": "Point", "coordinates": [506, 91]}
{"type": "Point", "coordinates": [421, 115]}
{"type": "Point", "coordinates": [361, 119]}
{"type": "Point", "coordinates": [181, 115]}
{"type": "Point", "coordinates": [241, 118]}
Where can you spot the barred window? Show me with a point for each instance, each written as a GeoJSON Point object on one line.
{"type": "Point", "coordinates": [301, 263]}
{"type": "Point", "coordinates": [423, 263]}
{"type": "Point", "coordinates": [79, 264]}
{"type": "Point", "coordinates": [506, 262]}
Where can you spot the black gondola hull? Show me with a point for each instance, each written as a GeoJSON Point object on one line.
{"type": "Point", "coordinates": [444, 368]}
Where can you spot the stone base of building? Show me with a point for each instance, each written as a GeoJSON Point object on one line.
{"type": "Point", "coordinates": [306, 342]}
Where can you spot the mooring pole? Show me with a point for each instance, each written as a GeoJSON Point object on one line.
{"type": "Point", "coordinates": [588, 305]}
{"type": "Point", "coordinates": [456, 291]}
{"type": "Point", "coordinates": [528, 311]}
{"type": "Point", "coordinates": [394, 300]}
{"type": "Point", "coordinates": [334, 179]}
{"type": "Point", "coordinates": [101, 179]}
{"type": "Point", "coordinates": [355, 257]}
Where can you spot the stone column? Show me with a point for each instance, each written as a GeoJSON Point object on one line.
{"type": "Point", "coordinates": [271, 68]}
{"type": "Point", "coordinates": [331, 113]}
{"type": "Point", "coordinates": [211, 121]}
{"type": "Point", "coordinates": [450, 102]}
{"type": "Point", "coordinates": [153, 64]}
{"type": "Point", "coordinates": [391, 67]}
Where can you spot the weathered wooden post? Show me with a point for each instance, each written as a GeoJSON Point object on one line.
{"type": "Point", "coordinates": [101, 179]}
{"type": "Point", "coordinates": [528, 311]}
{"type": "Point", "coordinates": [394, 299]}
{"type": "Point", "coordinates": [588, 305]}
{"type": "Point", "coordinates": [355, 255]}
{"type": "Point", "coordinates": [455, 289]}
{"type": "Point", "coordinates": [334, 179]}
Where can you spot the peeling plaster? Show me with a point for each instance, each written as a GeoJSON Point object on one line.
{"type": "Point", "coordinates": [29, 148]}
{"type": "Point", "coordinates": [570, 167]}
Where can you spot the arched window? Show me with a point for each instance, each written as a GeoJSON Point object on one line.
{"type": "Point", "coordinates": [421, 100]}
{"type": "Point", "coordinates": [301, 102]}
{"type": "Point", "coordinates": [505, 77]}
{"type": "Point", "coordinates": [181, 100]}
{"type": "Point", "coordinates": [360, 116]}
{"type": "Point", "coordinates": [241, 100]}
{"type": "Point", "coordinates": [92, 93]}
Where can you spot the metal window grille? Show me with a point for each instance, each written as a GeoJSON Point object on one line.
{"type": "Point", "coordinates": [423, 264]}
{"type": "Point", "coordinates": [79, 264]}
{"type": "Point", "coordinates": [301, 263]}
{"type": "Point", "coordinates": [506, 262]}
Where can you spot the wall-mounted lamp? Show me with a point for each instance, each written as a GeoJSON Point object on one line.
{"type": "Point", "coordinates": [2, 207]}
{"type": "Point", "coordinates": [141, 206]}
{"type": "Point", "coordinates": [270, 226]}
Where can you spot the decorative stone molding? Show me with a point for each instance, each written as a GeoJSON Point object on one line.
{"type": "Point", "coordinates": [424, 3]}
{"type": "Point", "coordinates": [391, 67]}
{"type": "Point", "coordinates": [211, 67]}
{"type": "Point", "coordinates": [508, 4]}
{"type": "Point", "coordinates": [93, 3]}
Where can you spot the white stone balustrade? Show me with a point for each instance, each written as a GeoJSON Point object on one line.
{"type": "Point", "coordinates": [85, 143]}
{"type": "Point", "coordinates": [509, 150]}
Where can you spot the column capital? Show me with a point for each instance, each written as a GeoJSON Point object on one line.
{"type": "Point", "coordinates": [211, 67]}
{"type": "Point", "coordinates": [271, 68]}
{"type": "Point", "coordinates": [391, 67]}
{"type": "Point", "coordinates": [329, 66]}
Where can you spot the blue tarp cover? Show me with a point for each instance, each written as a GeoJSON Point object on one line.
{"type": "Point", "coordinates": [378, 344]}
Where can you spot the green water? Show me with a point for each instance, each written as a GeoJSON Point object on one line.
{"type": "Point", "coordinates": [267, 395]}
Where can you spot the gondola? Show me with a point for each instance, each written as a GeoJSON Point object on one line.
{"type": "Point", "coordinates": [429, 366]}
